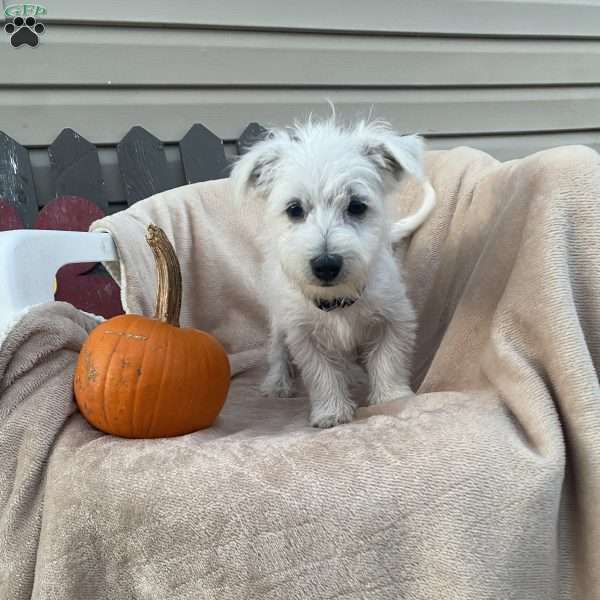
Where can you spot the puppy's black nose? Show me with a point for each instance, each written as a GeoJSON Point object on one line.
{"type": "Point", "coordinates": [327, 266]}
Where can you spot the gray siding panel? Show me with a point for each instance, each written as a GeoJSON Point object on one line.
{"type": "Point", "coordinates": [94, 56]}
{"type": "Point", "coordinates": [508, 147]}
{"type": "Point", "coordinates": [568, 18]}
{"type": "Point", "coordinates": [104, 116]}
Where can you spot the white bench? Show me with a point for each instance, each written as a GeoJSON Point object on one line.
{"type": "Point", "coordinates": [29, 260]}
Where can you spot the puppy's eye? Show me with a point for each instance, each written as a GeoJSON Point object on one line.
{"type": "Point", "coordinates": [357, 206]}
{"type": "Point", "coordinates": [295, 211]}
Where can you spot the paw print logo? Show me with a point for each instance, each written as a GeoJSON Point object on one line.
{"type": "Point", "coordinates": [24, 31]}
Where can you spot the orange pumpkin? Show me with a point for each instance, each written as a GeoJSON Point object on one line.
{"type": "Point", "coordinates": [138, 377]}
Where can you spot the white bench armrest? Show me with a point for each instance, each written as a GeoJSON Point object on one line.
{"type": "Point", "coordinates": [29, 260]}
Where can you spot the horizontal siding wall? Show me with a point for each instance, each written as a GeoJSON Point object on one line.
{"type": "Point", "coordinates": [567, 18]}
{"type": "Point", "coordinates": [509, 77]}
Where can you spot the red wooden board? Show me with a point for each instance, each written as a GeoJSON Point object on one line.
{"type": "Point", "coordinates": [91, 292]}
{"type": "Point", "coordinates": [69, 213]}
{"type": "Point", "coordinates": [9, 217]}
{"type": "Point", "coordinates": [97, 294]}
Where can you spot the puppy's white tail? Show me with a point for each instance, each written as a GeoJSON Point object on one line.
{"type": "Point", "coordinates": [406, 226]}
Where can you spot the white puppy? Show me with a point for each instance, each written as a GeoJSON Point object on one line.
{"type": "Point", "coordinates": [335, 291]}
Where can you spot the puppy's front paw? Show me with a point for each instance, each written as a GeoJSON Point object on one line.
{"type": "Point", "coordinates": [379, 397]}
{"type": "Point", "coordinates": [325, 420]}
{"type": "Point", "coordinates": [275, 385]}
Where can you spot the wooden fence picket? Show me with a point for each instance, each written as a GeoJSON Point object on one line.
{"type": "Point", "coordinates": [76, 168]}
{"type": "Point", "coordinates": [80, 200]}
{"type": "Point", "coordinates": [17, 191]}
{"type": "Point", "coordinates": [202, 155]}
{"type": "Point", "coordinates": [252, 134]}
{"type": "Point", "coordinates": [143, 165]}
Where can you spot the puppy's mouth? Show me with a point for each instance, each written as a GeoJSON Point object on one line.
{"type": "Point", "coordinates": [333, 290]}
{"type": "Point", "coordinates": [333, 304]}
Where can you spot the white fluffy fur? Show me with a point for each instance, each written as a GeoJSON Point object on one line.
{"type": "Point", "coordinates": [322, 164]}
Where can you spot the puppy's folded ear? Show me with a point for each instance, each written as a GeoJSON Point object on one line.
{"type": "Point", "coordinates": [391, 153]}
{"type": "Point", "coordinates": [255, 171]}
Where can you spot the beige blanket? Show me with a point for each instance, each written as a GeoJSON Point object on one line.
{"type": "Point", "coordinates": [485, 486]}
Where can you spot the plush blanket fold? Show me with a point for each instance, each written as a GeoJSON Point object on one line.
{"type": "Point", "coordinates": [485, 485]}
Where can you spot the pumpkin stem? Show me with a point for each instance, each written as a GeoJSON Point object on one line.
{"type": "Point", "coordinates": [168, 289]}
